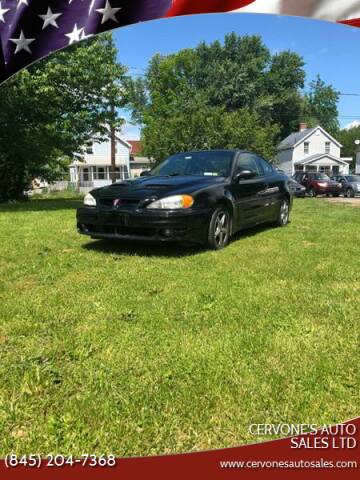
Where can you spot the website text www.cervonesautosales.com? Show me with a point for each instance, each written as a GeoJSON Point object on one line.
{"type": "Point", "coordinates": [292, 464]}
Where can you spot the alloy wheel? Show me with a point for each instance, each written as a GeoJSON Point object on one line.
{"type": "Point", "coordinates": [284, 212]}
{"type": "Point", "coordinates": [221, 229]}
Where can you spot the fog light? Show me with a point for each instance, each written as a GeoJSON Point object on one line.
{"type": "Point", "coordinates": [83, 228]}
{"type": "Point", "coordinates": [166, 233]}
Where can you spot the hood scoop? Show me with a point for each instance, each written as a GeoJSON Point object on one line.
{"type": "Point", "coordinates": [156, 185]}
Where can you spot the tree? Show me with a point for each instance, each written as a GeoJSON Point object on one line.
{"type": "Point", "coordinates": [282, 98]}
{"type": "Point", "coordinates": [51, 110]}
{"type": "Point", "coordinates": [347, 138]}
{"type": "Point", "coordinates": [199, 126]}
{"type": "Point", "coordinates": [220, 95]}
{"type": "Point", "coordinates": [320, 106]}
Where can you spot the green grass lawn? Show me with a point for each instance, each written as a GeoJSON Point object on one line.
{"type": "Point", "coordinates": [138, 350]}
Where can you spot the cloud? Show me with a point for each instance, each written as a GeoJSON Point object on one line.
{"type": "Point", "coordinates": [354, 124]}
{"type": "Point", "coordinates": [130, 132]}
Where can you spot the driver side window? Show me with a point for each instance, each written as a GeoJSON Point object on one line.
{"type": "Point", "coordinates": [247, 161]}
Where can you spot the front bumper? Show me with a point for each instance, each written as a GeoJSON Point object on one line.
{"type": "Point", "coordinates": [330, 189]}
{"type": "Point", "coordinates": [144, 225]}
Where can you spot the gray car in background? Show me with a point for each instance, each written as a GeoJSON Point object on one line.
{"type": "Point", "coordinates": [350, 183]}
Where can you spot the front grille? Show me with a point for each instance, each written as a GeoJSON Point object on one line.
{"type": "Point", "coordinates": [123, 202]}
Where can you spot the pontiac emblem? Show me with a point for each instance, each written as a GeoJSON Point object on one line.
{"type": "Point", "coordinates": [116, 202]}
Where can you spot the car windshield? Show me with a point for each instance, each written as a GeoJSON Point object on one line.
{"type": "Point", "coordinates": [321, 176]}
{"type": "Point", "coordinates": [353, 178]}
{"type": "Point", "coordinates": [211, 164]}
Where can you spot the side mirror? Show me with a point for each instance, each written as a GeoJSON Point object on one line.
{"type": "Point", "coordinates": [145, 173]}
{"type": "Point", "coordinates": [245, 175]}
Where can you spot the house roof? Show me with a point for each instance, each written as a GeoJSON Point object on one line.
{"type": "Point", "coordinates": [117, 136]}
{"type": "Point", "coordinates": [318, 156]}
{"type": "Point", "coordinates": [139, 160]}
{"type": "Point", "coordinates": [297, 137]}
{"type": "Point", "coordinates": [135, 147]}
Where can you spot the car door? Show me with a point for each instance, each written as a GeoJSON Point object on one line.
{"type": "Point", "coordinates": [247, 193]}
{"type": "Point", "coordinates": [274, 188]}
{"type": "Point", "coordinates": [305, 181]}
{"type": "Point", "coordinates": [343, 182]}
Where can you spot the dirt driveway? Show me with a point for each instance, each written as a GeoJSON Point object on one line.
{"type": "Point", "coordinates": [354, 202]}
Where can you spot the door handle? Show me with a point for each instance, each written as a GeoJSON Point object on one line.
{"type": "Point", "coordinates": [269, 190]}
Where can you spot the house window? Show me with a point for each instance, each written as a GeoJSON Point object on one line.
{"type": "Point", "coordinates": [310, 168]}
{"type": "Point", "coordinates": [89, 148]}
{"type": "Point", "coordinates": [306, 148]}
{"type": "Point", "coordinates": [124, 172]}
{"type": "Point", "coordinates": [325, 169]}
{"type": "Point", "coordinates": [99, 173]}
{"type": "Point", "coordinates": [85, 174]}
{"type": "Point", "coordinates": [299, 168]}
{"type": "Point", "coordinates": [327, 147]}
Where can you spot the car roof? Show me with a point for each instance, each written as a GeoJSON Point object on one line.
{"type": "Point", "coordinates": [235, 150]}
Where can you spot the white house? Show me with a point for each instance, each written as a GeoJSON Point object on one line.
{"type": "Point", "coordinates": [93, 168]}
{"type": "Point", "coordinates": [311, 150]}
{"type": "Point", "coordinates": [138, 162]}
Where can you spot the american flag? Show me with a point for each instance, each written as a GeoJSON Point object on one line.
{"type": "Point", "coordinates": [31, 29]}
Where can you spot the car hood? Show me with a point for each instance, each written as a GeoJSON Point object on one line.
{"type": "Point", "coordinates": [156, 187]}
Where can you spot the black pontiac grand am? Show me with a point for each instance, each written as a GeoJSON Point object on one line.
{"type": "Point", "coordinates": [192, 198]}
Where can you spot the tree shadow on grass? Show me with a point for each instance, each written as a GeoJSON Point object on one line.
{"type": "Point", "coordinates": [143, 249]}
{"type": "Point", "coordinates": [39, 205]}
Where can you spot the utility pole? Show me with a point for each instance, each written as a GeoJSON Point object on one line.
{"type": "Point", "coordinates": [357, 159]}
{"type": "Point", "coordinates": [113, 143]}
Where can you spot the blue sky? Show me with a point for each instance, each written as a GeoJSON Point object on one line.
{"type": "Point", "coordinates": [328, 49]}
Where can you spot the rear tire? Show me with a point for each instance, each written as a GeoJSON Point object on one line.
{"type": "Point", "coordinates": [219, 229]}
{"type": "Point", "coordinates": [284, 213]}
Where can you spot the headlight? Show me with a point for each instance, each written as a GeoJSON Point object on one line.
{"type": "Point", "coordinates": [322, 184]}
{"type": "Point", "coordinates": [173, 203]}
{"type": "Point", "coordinates": [89, 200]}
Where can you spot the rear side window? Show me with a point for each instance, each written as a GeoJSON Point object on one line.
{"type": "Point", "coordinates": [265, 166]}
{"type": "Point", "coordinates": [248, 161]}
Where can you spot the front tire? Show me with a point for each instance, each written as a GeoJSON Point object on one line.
{"type": "Point", "coordinates": [312, 192]}
{"type": "Point", "coordinates": [284, 213]}
{"type": "Point", "coordinates": [219, 229]}
{"type": "Point", "coordinates": [349, 193]}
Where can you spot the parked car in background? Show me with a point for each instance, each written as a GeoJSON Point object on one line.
{"type": "Point", "coordinates": [350, 184]}
{"type": "Point", "coordinates": [197, 197]}
{"type": "Point", "coordinates": [317, 183]}
{"type": "Point", "coordinates": [296, 188]}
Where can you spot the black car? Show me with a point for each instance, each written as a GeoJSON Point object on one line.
{"type": "Point", "coordinates": [350, 184]}
{"type": "Point", "coordinates": [296, 188]}
{"type": "Point", "coordinates": [197, 197]}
